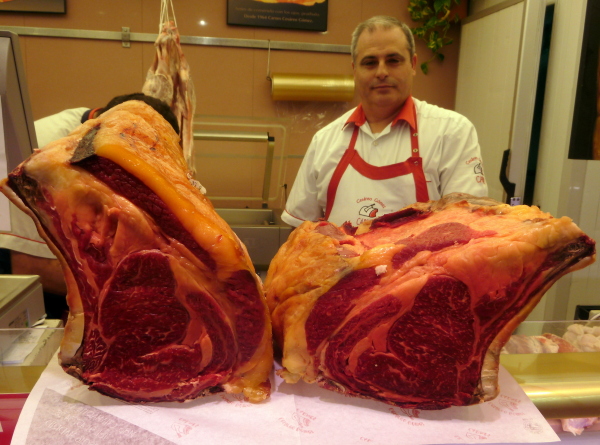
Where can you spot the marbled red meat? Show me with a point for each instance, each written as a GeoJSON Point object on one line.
{"type": "Point", "coordinates": [163, 298]}
{"type": "Point", "coordinates": [413, 308]}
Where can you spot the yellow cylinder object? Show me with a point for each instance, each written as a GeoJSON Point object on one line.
{"type": "Point", "coordinates": [312, 87]}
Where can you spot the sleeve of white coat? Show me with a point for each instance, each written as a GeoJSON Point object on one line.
{"type": "Point", "coordinates": [461, 165]}
{"type": "Point", "coordinates": [302, 203]}
{"type": "Point", "coordinates": [24, 236]}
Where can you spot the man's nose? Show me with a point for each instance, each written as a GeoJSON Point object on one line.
{"type": "Point", "coordinates": [382, 69]}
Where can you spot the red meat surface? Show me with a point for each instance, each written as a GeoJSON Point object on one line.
{"type": "Point", "coordinates": [413, 308]}
{"type": "Point", "coordinates": [164, 301]}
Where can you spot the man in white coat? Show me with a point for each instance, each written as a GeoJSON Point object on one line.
{"type": "Point", "coordinates": [393, 149]}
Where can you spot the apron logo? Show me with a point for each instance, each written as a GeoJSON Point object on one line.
{"type": "Point", "coordinates": [478, 169]}
{"type": "Point", "coordinates": [369, 211]}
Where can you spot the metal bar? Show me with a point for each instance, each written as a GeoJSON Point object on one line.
{"type": "Point", "coordinates": [236, 198]}
{"type": "Point", "coordinates": [66, 33]}
{"type": "Point", "coordinates": [189, 40]}
{"type": "Point", "coordinates": [268, 169]}
{"type": "Point", "coordinates": [125, 37]}
{"type": "Point", "coordinates": [240, 136]}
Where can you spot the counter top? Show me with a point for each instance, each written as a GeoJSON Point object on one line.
{"type": "Point", "coordinates": [564, 385]}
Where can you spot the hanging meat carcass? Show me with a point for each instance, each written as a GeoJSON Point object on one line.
{"type": "Point", "coordinates": [414, 307]}
{"type": "Point", "coordinates": [164, 301]}
{"type": "Point", "coordinates": [169, 80]}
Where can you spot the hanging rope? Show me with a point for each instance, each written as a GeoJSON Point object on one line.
{"type": "Point", "coordinates": [167, 13]}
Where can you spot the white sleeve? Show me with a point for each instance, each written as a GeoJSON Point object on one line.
{"type": "Point", "coordinates": [24, 236]}
{"type": "Point", "coordinates": [302, 203]}
{"type": "Point", "coordinates": [461, 166]}
{"type": "Point", "coordinates": [59, 125]}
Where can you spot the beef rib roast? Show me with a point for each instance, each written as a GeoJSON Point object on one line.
{"type": "Point", "coordinates": [163, 298]}
{"type": "Point", "coordinates": [413, 308]}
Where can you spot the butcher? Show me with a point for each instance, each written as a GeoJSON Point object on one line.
{"type": "Point", "coordinates": [390, 151]}
{"type": "Point", "coordinates": [22, 250]}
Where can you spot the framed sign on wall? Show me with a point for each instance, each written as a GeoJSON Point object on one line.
{"type": "Point", "coordinates": [49, 6]}
{"type": "Point", "coordinates": [308, 15]}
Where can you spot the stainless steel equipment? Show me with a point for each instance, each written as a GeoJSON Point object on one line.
{"type": "Point", "coordinates": [261, 230]}
{"type": "Point", "coordinates": [21, 301]}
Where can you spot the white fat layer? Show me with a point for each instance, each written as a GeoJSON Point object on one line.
{"type": "Point", "coordinates": [382, 268]}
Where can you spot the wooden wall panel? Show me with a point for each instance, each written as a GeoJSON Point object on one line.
{"type": "Point", "coordinates": [229, 82]}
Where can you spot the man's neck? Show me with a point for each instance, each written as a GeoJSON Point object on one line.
{"type": "Point", "coordinates": [379, 118]}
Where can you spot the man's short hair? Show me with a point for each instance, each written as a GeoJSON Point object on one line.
{"type": "Point", "coordinates": [383, 22]}
{"type": "Point", "coordinates": [160, 106]}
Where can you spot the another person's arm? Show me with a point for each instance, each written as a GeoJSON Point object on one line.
{"type": "Point", "coordinates": [49, 270]}
{"type": "Point", "coordinates": [29, 254]}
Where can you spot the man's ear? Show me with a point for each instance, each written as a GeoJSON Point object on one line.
{"type": "Point", "coordinates": [414, 62]}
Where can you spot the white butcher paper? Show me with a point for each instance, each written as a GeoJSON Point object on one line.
{"type": "Point", "coordinates": [60, 409]}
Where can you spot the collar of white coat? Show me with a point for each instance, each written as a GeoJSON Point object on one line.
{"type": "Point", "coordinates": [407, 113]}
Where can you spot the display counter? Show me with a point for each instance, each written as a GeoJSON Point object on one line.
{"type": "Point", "coordinates": [24, 354]}
{"type": "Point", "coordinates": [558, 366]}
{"type": "Point", "coordinates": [560, 384]}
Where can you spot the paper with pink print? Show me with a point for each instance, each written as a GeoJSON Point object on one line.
{"type": "Point", "coordinates": [61, 409]}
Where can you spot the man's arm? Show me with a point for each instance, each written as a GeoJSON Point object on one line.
{"type": "Point", "coordinates": [49, 270]}
{"type": "Point", "coordinates": [302, 203]}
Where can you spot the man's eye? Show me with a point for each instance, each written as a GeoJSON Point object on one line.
{"type": "Point", "coordinates": [393, 61]}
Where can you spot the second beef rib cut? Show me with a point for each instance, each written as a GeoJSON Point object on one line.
{"type": "Point", "coordinates": [414, 307]}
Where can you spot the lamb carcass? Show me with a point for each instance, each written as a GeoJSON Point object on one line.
{"type": "Point", "coordinates": [164, 301]}
{"type": "Point", "coordinates": [414, 307]}
{"type": "Point", "coordinates": [169, 79]}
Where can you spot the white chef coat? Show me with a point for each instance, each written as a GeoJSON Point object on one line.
{"type": "Point", "coordinates": [448, 145]}
{"type": "Point", "coordinates": [23, 236]}
{"type": "Point", "coordinates": [59, 125]}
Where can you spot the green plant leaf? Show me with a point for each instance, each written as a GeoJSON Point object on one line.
{"type": "Point", "coordinates": [442, 5]}
{"type": "Point", "coordinates": [418, 32]}
{"type": "Point", "coordinates": [435, 20]}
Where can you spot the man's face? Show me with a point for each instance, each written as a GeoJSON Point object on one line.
{"type": "Point", "coordinates": [383, 68]}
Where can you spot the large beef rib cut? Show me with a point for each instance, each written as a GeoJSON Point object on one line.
{"type": "Point", "coordinates": [414, 307]}
{"type": "Point", "coordinates": [164, 301]}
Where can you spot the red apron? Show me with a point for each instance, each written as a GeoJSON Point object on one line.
{"type": "Point", "coordinates": [413, 165]}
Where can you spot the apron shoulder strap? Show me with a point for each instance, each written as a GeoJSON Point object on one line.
{"type": "Point", "coordinates": [339, 172]}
